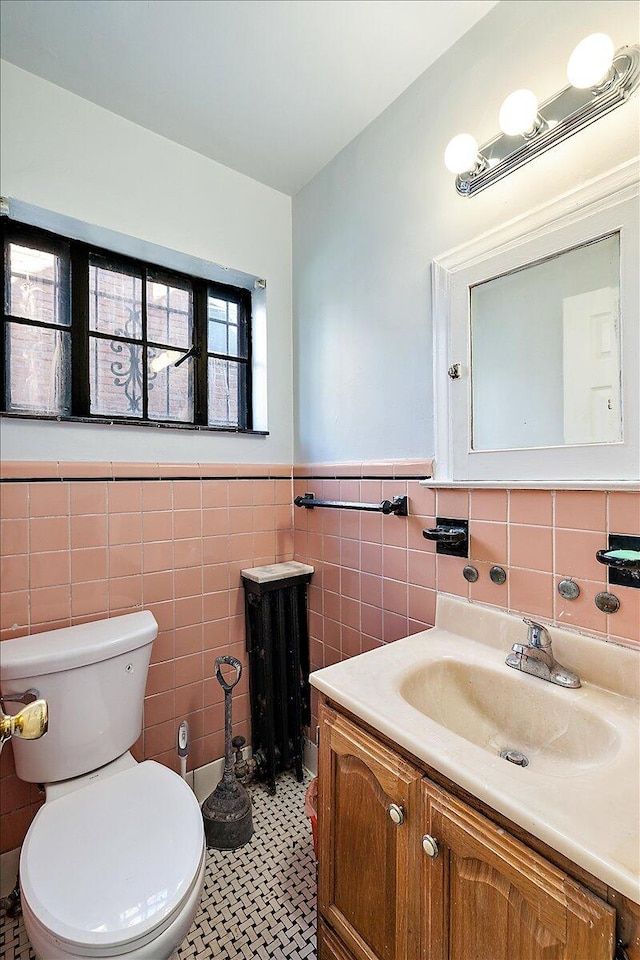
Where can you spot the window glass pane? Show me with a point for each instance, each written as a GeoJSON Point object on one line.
{"type": "Point", "coordinates": [232, 333]}
{"type": "Point", "coordinates": [115, 301]}
{"type": "Point", "coordinates": [38, 369]}
{"type": "Point", "coordinates": [217, 337]}
{"type": "Point", "coordinates": [38, 286]}
{"type": "Point", "coordinates": [170, 388]}
{"type": "Point", "coordinates": [169, 313]}
{"type": "Point", "coordinates": [115, 378]}
{"type": "Point", "coordinates": [226, 382]}
{"type": "Point", "coordinates": [224, 333]}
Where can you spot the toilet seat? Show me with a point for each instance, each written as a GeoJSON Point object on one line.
{"type": "Point", "coordinates": [107, 867]}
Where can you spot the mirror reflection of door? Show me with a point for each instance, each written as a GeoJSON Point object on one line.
{"type": "Point", "coordinates": [545, 351]}
{"type": "Point", "coordinates": [591, 380]}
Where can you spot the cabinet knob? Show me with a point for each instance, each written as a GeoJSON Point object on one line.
{"type": "Point", "coordinates": [430, 845]}
{"type": "Point", "coordinates": [396, 812]}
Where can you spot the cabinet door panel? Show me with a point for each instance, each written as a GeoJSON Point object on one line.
{"type": "Point", "coordinates": [488, 897]}
{"type": "Point", "coordinates": [365, 858]}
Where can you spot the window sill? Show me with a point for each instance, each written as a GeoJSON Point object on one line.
{"type": "Point", "coordinates": [124, 422]}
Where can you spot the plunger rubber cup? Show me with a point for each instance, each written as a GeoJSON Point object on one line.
{"type": "Point", "coordinates": [227, 811]}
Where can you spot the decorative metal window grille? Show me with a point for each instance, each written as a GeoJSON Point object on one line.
{"type": "Point", "coordinates": [89, 334]}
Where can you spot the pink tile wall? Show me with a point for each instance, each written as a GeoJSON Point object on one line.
{"type": "Point", "coordinates": [77, 549]}
{"type": "Point", "coordinates": [174, 538]}
{"type": "Point", "coordinates": [376, 577]}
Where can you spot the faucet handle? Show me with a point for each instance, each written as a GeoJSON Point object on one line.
{"type": "Point", "coordinates": [537, 635]}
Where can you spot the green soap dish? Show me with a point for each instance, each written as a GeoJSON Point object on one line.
{"type": "Point", "coordinates": [623, 559]}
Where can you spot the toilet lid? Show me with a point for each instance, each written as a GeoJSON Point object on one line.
{"type": "Point", "coordinates": [113, 861]}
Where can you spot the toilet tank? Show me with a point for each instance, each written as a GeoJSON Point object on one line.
{"type": "Point", "coordinates": [93, 678]}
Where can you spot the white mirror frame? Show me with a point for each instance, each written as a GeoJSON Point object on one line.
{"type": "Point", "coordinates": [602, 206]}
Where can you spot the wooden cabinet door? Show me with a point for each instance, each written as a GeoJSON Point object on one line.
{"type": "Point", "coordinates": [367, 863]}
{"type": "Point", "coordinates": [486, 896]}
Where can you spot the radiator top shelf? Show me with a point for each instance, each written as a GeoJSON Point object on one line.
{"type": "Point", "coordinates": [277, 571]}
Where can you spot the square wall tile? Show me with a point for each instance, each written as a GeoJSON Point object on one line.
{"type": "Point", "coordinates": [576, 554]}
{"type": "Point", "coordinates": [48, 533]}
{"type": "Point", "coordinates": [531, 507]}
{"type": "Point", "coordinates": [531, 593]}
{"type": "Point", "coordinates": [49, 499]}
{"type": "Point", "coordinates": [53, 603]}
{"type": "Point", "coordinates": [625, 624]}
{"type": "Point", "coordinates": [14, 500]}
{"type": "Point", "coordinates": [50, 569]}
{"type": "Point", "coordinates": [582, 612]}
{"type": "Point", "coordinates": [157, 495]}
{"type": "Point", "coordinates": [14, 573]}
{"type": "Point", "coordinates": [531, 547]}
{"type": "Point", "coordinates": [14, 536]}
{"type": "Point", "coordinates": [484, 590]}
{"type": "Point", "coordinates": [125, 496]}
{"type": "Point", "coordinates": [624, 513]}
{"type": "Point", "coordinates": [488, 541]}
{"type": "Point", "coordinates": [187, 495]}
{"type": "Point", "coordinates": [449, 575]}
{"type": "Point", "coordinates": [581, 509]}
{"type": "Point", "coordinates": [488, 505]}
{"type": "Point", "coordinates": [453, 504]}
{"type": "Point", "coordinates": [89, 531]}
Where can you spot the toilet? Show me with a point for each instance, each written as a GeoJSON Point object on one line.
{"type": "Point", "coordinates": [113, 863]}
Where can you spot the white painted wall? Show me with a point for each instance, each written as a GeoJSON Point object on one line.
{"type": "Point", "coordinates": [63, 154]}
{"type": "Point", "coordinates": [367, 227]}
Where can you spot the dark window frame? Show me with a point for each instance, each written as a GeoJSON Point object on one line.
{"type": "Point", "coordinates": [80, 256]}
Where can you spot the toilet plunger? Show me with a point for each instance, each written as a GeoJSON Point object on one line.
{"type": "Point", "coordinates": [227, 811]}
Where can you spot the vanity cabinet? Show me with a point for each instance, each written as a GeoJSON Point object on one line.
{"type": "Point", "coordinates": [408, 871]}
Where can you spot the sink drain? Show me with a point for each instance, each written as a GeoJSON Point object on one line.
{"type": "Point", "coordinates": [514, 756]}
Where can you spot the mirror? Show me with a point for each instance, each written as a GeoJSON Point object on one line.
{"type": "Point", "coordinates": [545, 352]}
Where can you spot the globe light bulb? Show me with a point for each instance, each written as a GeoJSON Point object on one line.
{"type": "Point", "coordinates": [590, 61]}
{"type": "Point", "coordinates": [518, 113]}
{"type": "Point", "coordinates": [461, 154]}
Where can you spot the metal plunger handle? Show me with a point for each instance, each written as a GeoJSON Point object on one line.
{"type": "Point", "coordinates": [229, 774]}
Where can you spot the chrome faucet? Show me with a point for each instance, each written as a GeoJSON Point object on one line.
{"type": "Point", "coordinates": [536, 658]}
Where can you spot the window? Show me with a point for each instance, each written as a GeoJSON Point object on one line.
{"type": "Point", "coordinates": [89, 334]}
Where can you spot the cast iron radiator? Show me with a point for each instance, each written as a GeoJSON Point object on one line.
{"type": "Point", "coordinates": [278, 648]}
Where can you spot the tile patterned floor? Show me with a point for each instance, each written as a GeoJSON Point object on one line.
{"type": "Point", "coordinates": [259, 902]}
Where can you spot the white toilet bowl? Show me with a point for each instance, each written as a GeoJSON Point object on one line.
{"type": "Point", "coordinates": [113, 865]}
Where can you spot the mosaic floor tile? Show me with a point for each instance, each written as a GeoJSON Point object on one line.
{"type": "Point", "coordinates": [258, 903]}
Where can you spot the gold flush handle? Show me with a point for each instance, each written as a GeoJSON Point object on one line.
{"type": "Point", "coordinates": [30, 724]}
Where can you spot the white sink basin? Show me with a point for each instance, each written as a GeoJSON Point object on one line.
{"type": "Point", "coordinates": [493, 708]}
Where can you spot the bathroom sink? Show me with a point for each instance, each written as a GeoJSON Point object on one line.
{"type": "Point", "coordinates": [447, 698]}
{"type": "Point", "coordinates": [502, 710]}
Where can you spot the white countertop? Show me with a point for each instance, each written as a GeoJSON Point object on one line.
{"type": "Point", "coordinates": [590, 812]}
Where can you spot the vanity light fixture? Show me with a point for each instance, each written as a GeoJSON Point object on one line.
{"type": "Point", "coordinates": [600, 79]}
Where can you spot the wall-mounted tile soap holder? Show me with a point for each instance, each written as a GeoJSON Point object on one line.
{"type": "Point", "coordinates": [451, 536]}
{"type": "Point", "coordinates": [622, 557]}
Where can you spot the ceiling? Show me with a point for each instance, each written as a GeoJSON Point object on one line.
{"type": "Point", "coordinates": [271, 88]}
